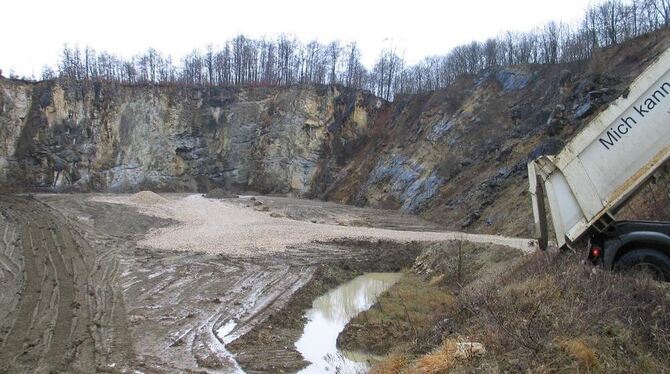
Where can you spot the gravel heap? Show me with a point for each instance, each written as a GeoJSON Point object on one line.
{"type": "Point", "coordinates": [147, 198]}
{"type": "Point", "coordinates": [224, 227]}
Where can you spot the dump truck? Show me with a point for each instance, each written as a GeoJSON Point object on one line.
{"type": "Point", "coordinates": [588, 182]}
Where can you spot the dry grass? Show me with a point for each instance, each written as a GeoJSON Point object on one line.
{"type": "Point", "coordinates": [393, 364]}
{"type": "Point", "coordinates": [579, 350]}
{"type": "Point", "coordinates": [439, 361]}
{"type": "Point", "coordinates": [436, 280]}
{"type": "Point", "coordinates": [547, 313]}
{"type": "Point", "coordinates": [550, 297]}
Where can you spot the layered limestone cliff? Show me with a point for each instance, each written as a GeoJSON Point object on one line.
{"type": "Point", "coordinates": [104, 137]}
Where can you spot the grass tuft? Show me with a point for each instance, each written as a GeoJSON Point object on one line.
{"type": "Point", "coordinates": [439, 361]}
{"type": "Point", "coordinates": [579, 351]}
{"type": "Point", "coordinates": [393, 364]}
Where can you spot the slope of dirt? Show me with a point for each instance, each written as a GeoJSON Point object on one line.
{"type": "Point", "coordinates": [412, 308]}
{"type": "Point", "coordinates": [546, 312]}
{"type": "Point", "coordinates": [147, 197]}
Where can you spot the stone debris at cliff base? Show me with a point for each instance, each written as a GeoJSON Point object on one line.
{"type": "Point", "coordinates": [147, 198]}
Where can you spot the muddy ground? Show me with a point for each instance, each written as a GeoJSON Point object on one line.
{"type": "Point", "coordinates": [80, 295]}
{"type": "Point", "coordinates": [276, 336]}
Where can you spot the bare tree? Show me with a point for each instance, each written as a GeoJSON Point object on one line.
{"type": "Point", "coordinates": [663, 9]}
{"type": "Point", "coordinates": [334, 49]}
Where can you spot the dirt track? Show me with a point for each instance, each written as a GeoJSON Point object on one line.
{"type": "Point", "coordinates": [79, 294]}
{"type": "Point", "coordinates": [65, 313]}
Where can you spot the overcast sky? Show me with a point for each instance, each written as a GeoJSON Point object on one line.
{"type": "Point", "coordinates": [34, 31]}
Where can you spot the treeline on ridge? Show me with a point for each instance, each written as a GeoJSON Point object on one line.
{"type": "Point", "coordinates": [285, 60]}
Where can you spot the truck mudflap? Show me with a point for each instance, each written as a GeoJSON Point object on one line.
{"type": "Point", "coordinates": [536, 190]}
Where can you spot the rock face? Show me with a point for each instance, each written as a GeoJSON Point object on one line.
{"type": "Point", "coordinates": [93, 136]}
{"type": "Point", "coordinates": [456, 156]}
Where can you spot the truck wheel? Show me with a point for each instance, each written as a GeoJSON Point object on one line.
{"type": "Point", "coordinates": [645, 263]}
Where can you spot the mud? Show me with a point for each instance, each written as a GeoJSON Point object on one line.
{"type": "Point", "coordinates": [64, 312]}
{"type": "Point", "coordinates": [322, 212]}
{"type": "Point", "coordinates": [80, 293]}
{"type": "Point", "coordinates": [276, 336]}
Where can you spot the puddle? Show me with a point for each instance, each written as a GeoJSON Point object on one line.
{"type": "Point", "coordinates": [224, 332]}
{"type": "Point", "coordinates": [225, 336]}
{"type": "Point", "coordinates": [327, 318]}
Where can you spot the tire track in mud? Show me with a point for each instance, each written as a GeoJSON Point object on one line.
{"type": "Point", "coordinates": [8, 261]}
{"type": "Point", "coordinates": [86, 299]}
{"type": "Point", "coordinates": [186, 308]}
{"type": "Point", "coordinates": [11, 277]}
{"type": "Point", "coordinates": [60, 318]}
{"type": "Point", "coordinates": [180, 304]}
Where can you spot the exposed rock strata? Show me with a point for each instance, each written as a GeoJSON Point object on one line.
{"type": "Point", "coordinates": [96, 136]}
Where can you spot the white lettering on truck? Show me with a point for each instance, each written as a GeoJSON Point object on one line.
{"type": "Point", "coordinates": [616, 133]}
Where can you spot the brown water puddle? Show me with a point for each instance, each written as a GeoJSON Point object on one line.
{"type": "Point", "coordinates": [327, 318]}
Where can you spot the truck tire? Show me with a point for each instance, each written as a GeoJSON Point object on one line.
{"type": "Point", "coordinates": [645, 262]}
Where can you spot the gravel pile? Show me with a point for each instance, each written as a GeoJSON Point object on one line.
{"type": "Point", "coordinates": [147, 198]}
{"type": "Point", "coordinates": [224, 227]}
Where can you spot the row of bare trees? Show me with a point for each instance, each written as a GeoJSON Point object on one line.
{"type": "Point", "coordinates": [241, 61]}
{"type": "Point", "coordinates": [287, 61]}
{"type": "Point", "coordinates": [604, 24]}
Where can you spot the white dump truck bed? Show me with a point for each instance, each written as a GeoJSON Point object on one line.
{"type": "Point", "coordinates": [603, 164]}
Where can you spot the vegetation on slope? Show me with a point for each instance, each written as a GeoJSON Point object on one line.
{"type": "Point", "coordinates": [545, 312]}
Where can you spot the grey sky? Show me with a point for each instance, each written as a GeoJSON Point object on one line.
{"type": "Point", "coordinates": [33, 31]}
